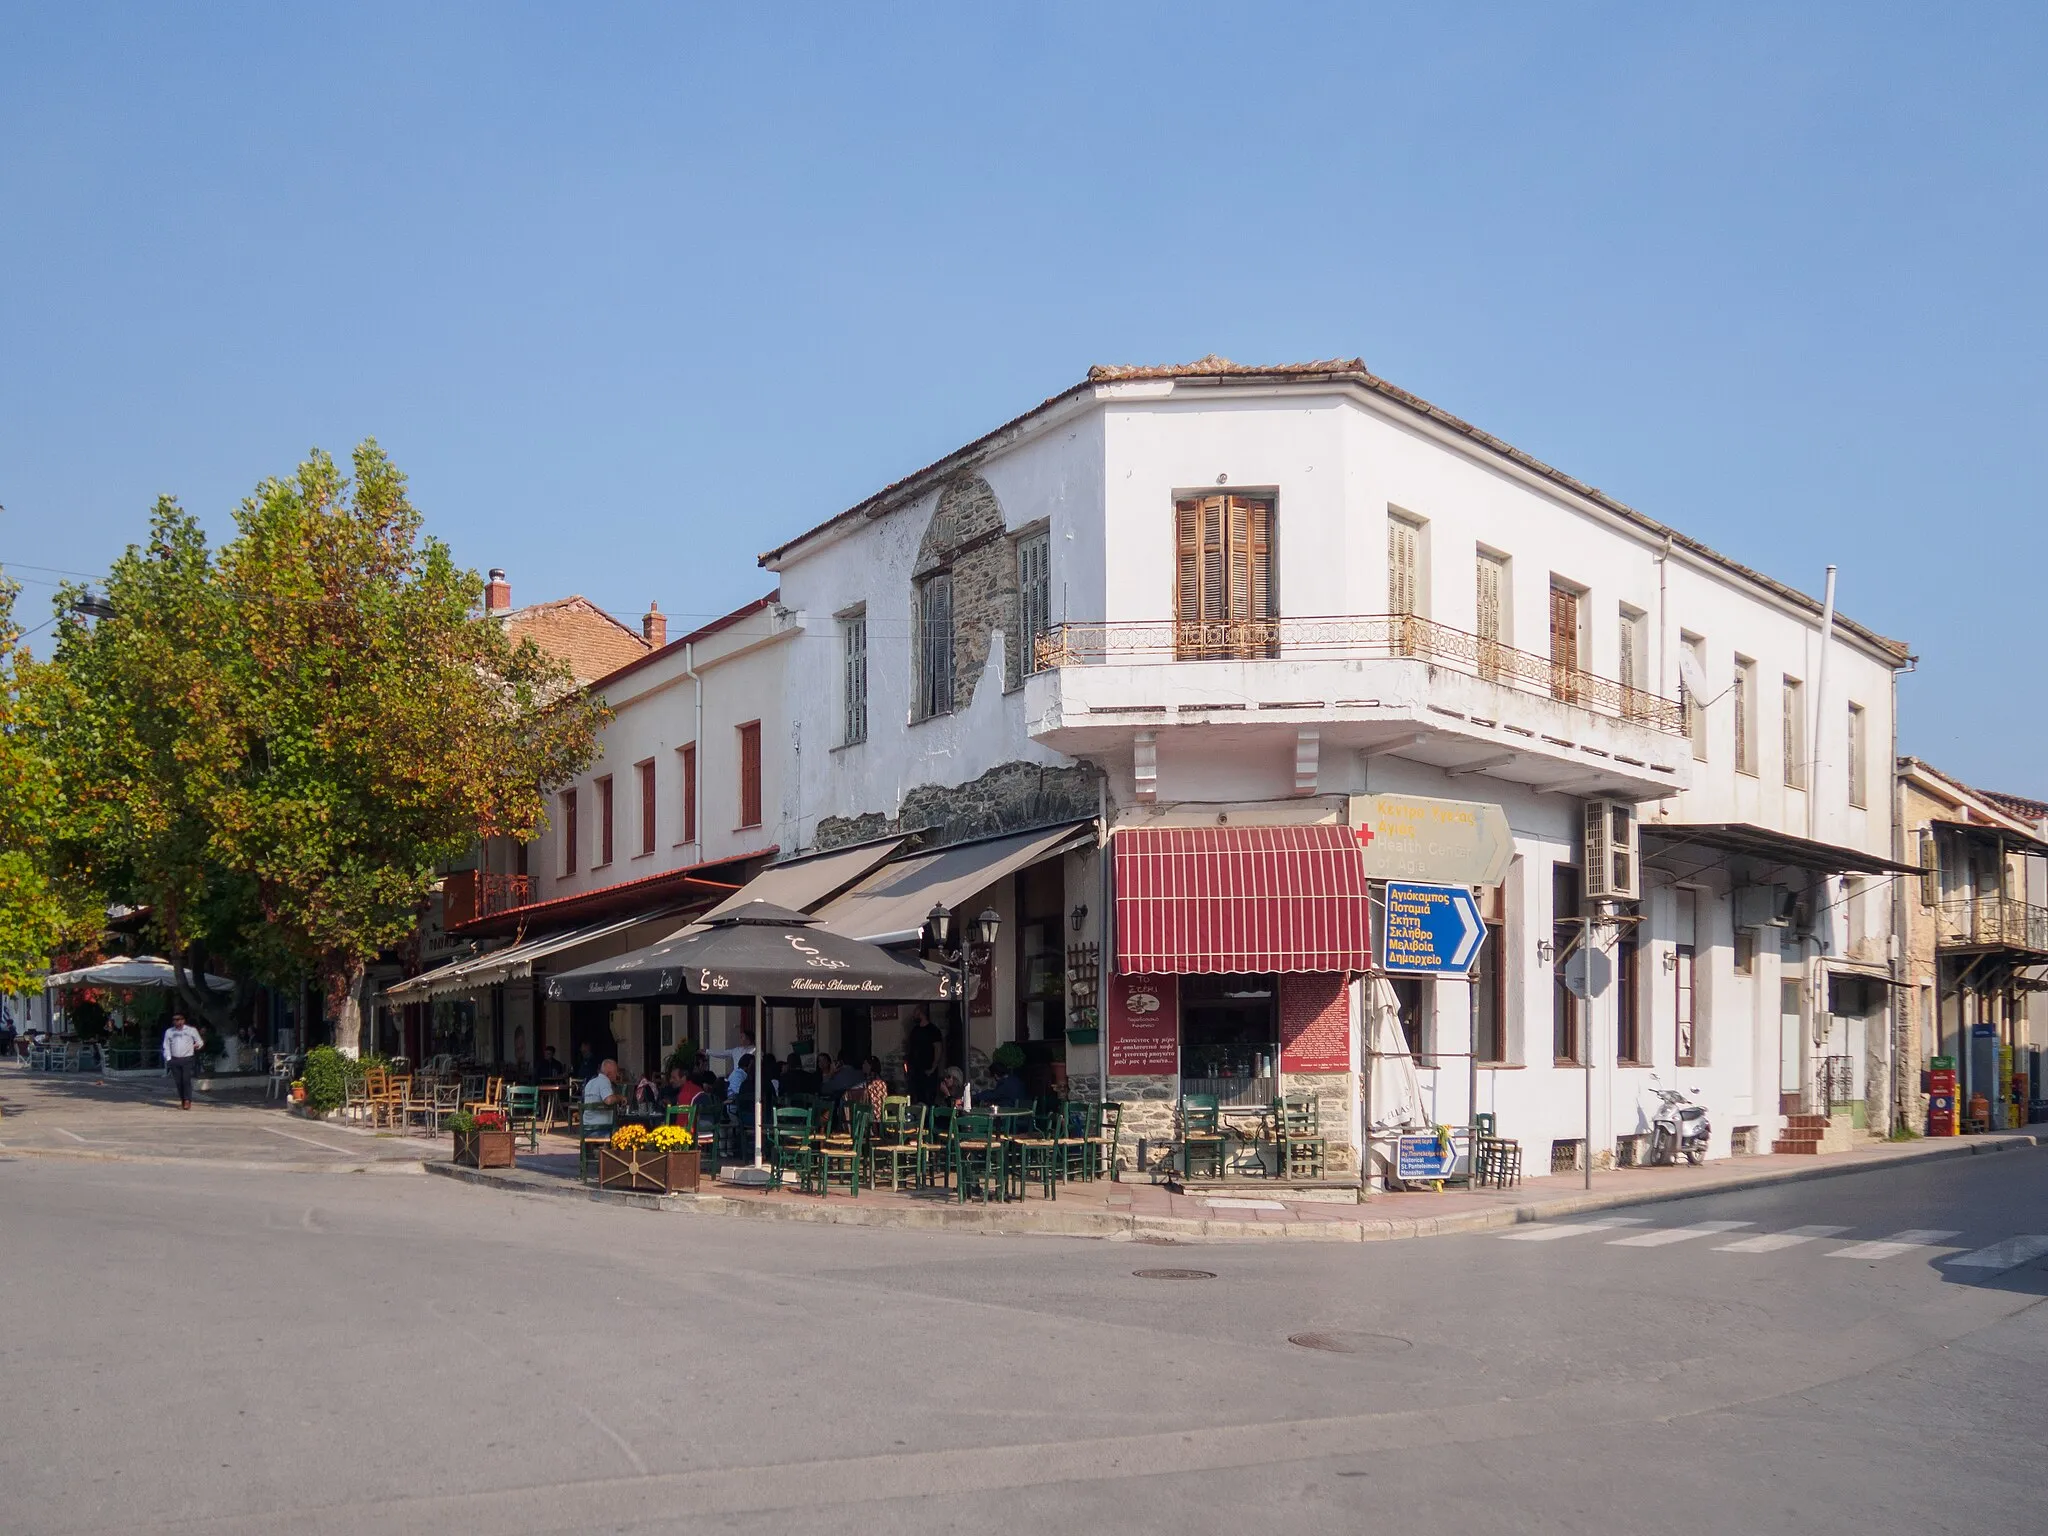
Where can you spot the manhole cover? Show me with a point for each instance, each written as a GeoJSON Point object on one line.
{"type": "Point", "coordinates": [1174, 1274]}
{"type": "Point", "coordinates": [1340, 1342]}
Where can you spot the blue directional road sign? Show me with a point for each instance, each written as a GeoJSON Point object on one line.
{"type": "Point", "coordinates": [1430, 930]}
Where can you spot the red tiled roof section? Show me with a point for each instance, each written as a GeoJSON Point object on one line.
{"type": "Point", "coordinates": [2017, 805]}
{"type": "Point", "coordinates": [577, 631]}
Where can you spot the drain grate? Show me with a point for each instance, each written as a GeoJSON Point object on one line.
{"type": "Point", "coordinates": [1175, 1274]}
{"type": "Point", "coordinates": [1341, 1342]}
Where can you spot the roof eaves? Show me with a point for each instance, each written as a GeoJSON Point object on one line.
{"type": "Point", "coordinates": [724, 621]}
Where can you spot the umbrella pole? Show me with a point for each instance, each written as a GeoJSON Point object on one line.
{"type": "Point", "coordinates": [760, 1045]}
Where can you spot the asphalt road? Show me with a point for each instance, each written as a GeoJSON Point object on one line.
{"type": "Point", "coordinates": [226, 1350]}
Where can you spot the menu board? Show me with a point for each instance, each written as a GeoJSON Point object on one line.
{"type": "Point", "coordinates": [1315, 1022]}
{"type": "Point", "coordinates": [1144, 1026]}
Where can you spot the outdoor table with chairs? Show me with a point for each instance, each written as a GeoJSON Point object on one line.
{"type": "Point", "coordinates": [1279, 1139]}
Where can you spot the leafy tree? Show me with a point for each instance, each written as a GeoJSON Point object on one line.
{"type": "Point", "coordinates": [37, 913]}
{"type": "Point", "coordinates": [276, 744]}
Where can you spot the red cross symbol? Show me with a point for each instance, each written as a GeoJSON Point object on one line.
{"type": "Point", "coordinates": [1363, 834]}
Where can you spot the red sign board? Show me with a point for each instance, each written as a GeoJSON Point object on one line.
{"type": "Point", "coordinates": [1144, 1026]}
{"type": "Point", "coordinates": [1315, 1022]}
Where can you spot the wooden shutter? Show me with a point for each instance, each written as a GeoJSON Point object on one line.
{"type": "Point", "coordinates": [1402, 561]}
{"type": "Point", "coordinates": [1743, 760]}
{"type": "Point", "coordinates": [1564, 643]}
{"type": "Point", "coordinates": [570, 832]}
{"type": "Point", "coordinates": [1489, 577]}
{"type": "Point", "coordinates": [1259, 516]}
{"type": "Point", "coordinates": [646, 771]}
{"type": "Point", "coordinates": [604, 819]}
{"type": "Point", "coordinates": [690, 793]}
{"type": "Point", "coordinates": [1187, 546]}
{"type": "Point", "coordinates": [750, 774]}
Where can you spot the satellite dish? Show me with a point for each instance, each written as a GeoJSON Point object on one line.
{"type": "Point", "coordinates": [1697, 688]}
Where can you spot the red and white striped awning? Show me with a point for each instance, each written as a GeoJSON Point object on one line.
{"type": "Point", "coordinates": [1193, 900]}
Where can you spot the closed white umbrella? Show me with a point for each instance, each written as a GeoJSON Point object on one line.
{"type": "Point", "coordinates": [1396, 1103]}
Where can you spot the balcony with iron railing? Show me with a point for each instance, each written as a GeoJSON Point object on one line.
{"type": "Point", "coordinates": [1376, 683]}
{"type": "Point", "coordinates": [1992, 922]}
{"type": "Point", "coordinates": [1359, 636]}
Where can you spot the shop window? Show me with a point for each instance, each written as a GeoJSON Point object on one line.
{"type": "Point", "coordinates": [1414, 1015]}
{"type": "Point", "coordinates": [1230, 1037]}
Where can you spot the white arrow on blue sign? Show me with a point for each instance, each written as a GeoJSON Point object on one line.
{"type": "Point", "coordinates": [1431, 930]}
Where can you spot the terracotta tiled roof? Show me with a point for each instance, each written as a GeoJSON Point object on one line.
{"type": "Point", "coordinates": [2017, 805]}
{"type": "Point", "coordinates": [724, 621]}
{"type": "Point", "coordinates": [1347, 370]}
{"type": "Point", "coordinates": [577, 631]}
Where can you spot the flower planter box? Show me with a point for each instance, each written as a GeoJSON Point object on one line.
{"type": "Point", "coordinates": [648, 1170]}
{"type": "Point", "coordinates": [483, 1149]}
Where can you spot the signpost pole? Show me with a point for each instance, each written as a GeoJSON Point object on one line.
{"type": "Point", "coordinates": [1586, 1043]}
{"type": "Point", "coordinates": [1471, 1086]}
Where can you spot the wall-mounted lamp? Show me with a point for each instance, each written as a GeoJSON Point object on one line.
{"type": "Point", "coordinates": [1078, 916]}
{"type": "Point", "coordinates": [1546, 952]}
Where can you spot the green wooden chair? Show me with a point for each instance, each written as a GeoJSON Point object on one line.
{"type": "Point", "coordinates": [1201, 1137]}
{"type": "Point", "coordinates": [594, 1126]}
{"type": "Point", "coordinates": [1040, 1153]}
{"type": "Point", "coordinates": [900, 1147]}
{"type": "Point", "coordinates": [522, 1109]}
{"type": "Point", "coordinates": [977, 1159]}
{"type": "Point", "coordinates": [1298, 1128]}
{"type": "Point", "coordinates": [789, 1133]}
{"type": "Point", "coordinates": [837, 1159]}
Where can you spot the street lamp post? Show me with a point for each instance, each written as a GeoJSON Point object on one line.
{"type": "Point", "coordinates": [938, 940]}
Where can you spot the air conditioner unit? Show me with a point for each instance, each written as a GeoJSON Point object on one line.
{"type": "Point", "coordinates": [1611, 870]}
{"type": "Point", "coordinates": [1762, 906]}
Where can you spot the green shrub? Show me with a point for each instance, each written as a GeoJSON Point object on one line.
{"type": "Point", "coordinates": [1008, 1057]}
{"type": "Point", "coordinates": [326, 1078]}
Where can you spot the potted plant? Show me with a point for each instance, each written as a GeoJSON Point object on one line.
{"type": "Point", "coordinates": [482, 1139]}
{"type": "Point", "coordinates": [661, 1161]}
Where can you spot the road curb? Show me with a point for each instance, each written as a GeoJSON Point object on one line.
{"type": "Point", "coordinates": [1050, 1220]}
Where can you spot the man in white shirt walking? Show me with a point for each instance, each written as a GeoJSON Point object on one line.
{"type": "Point", "coordinates": [181, 1055]}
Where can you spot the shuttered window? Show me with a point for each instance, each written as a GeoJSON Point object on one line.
{"type": "Point", "coordinates": [1795, 733]}
{"type": "Point", "coordinates": [645, 771]}
{"type": "Point", "coordinates": [689, 756]}
{"type": "Point", "coordinates": [1858, 768]}
{"type": "Point", "coordinates": [750, 774]}
{"type": "Point", "coordinates": [1490, 576]}
{"type": "Point", "coordinates": [1695, 711]}
{"type": "Point", "coordinates": [1743, 693]}
{"type": "Point", "coordinates": [1224, 598]}
{"type": "Point", "coordinates": [1564, 643]}
{"type": "Point", "coordinates": [853, 643]}
{"type": "Point", "coordinates": [571, 833]}
{"type": "Point", "coordinates": [1034, 599]}
{"type": "Point", "coordinates": [935, 645]}
{"type": "Point", "coordinates": [1404, 565]}
{"type": "Point", "coordinates": [604, 820]}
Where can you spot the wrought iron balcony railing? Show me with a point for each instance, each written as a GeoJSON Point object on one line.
{"type": "Point", "coordinates": [1401, 636]}
{"type": "Point", "coordinates": [1993, 922]}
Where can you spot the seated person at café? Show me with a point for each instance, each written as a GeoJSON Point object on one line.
{"type": "Point", "coordinates": [680, 1091]}
{"type": "Point", "coordinates": [552, 1068]}
{"type": "Point", "coordinates": [951, 1086]}
{"type": "Point", "coordinates": [646, 1092]}
{"type": "Point", "coordinates": [796, 1078]}
{"type": "Point", "coordinates": [876, 1088]}
{"type": "Point", "coordinates": [601, 1096]}
{"type": "Point", "coordinates": [843, 1079]}
{"type": "Point", "coordinates": [1008, 1091]}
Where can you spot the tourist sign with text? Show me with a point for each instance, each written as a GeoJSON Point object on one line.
{"type": "Point", "coordinates": [1431, 930]}
{"type": "Point", "coordinates": [1419, 837]}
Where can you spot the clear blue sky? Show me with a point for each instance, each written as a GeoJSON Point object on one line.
{"type": "Point", "coordinates": [634, 292]}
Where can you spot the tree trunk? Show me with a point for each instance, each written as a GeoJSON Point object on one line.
{"type": "Point", "coordinates": [342, 978]}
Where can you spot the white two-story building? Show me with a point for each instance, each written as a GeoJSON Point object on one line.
{"type": "Point", "coordinates": [1133, 666]}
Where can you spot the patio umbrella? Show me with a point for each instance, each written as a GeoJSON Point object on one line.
{"type": "Point", "coordinates": [760, 951]}
{"type": "Point", "coordinates": [142, 971]}
{"type": "Point", "coordinates": [1396, 1091]}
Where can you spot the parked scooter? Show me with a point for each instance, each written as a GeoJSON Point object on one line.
{"type": "Point", "coordinates": [1678, 1129]}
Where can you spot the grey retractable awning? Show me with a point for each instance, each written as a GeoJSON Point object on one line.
{"type": "Point", "coordinates": [514, 963]}
{"type": "Point", "coordinates": [890, 905]}
{"type": "Point", "coordinates": [800, 884]}
{"type": "Point", "coordinates": [1746, 840]}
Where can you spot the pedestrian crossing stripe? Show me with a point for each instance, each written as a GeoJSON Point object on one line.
{"type": "Point", "coordinates": [2010, 1254]}
{"type": "Point", "coordinates": [2000, 1256]}
{"type": "Point", "coordinates": [1898, 1243]}
{"type": "Point", "coordinates": [1772, 1242]}
{"type": "Point", "coordinates": [1665, 1236]}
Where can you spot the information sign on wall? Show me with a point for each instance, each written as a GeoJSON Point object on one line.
{"type": "Point", "coordinates": [1420, 837]}
{"type": "Point", "coordinates": [1144, 1026]}
{"type": "Point", "coordinates": [1315, 1022]}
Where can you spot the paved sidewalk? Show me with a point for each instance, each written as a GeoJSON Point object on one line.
{"type": "Point", "coordinates": [1145, 1210]}
{"type": "Point", "coordinates": [78, 1116]}
{"type": "Point", "coordinates": [131, 1119]}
